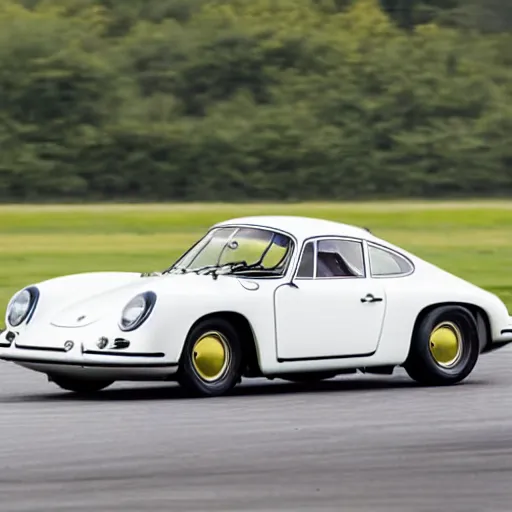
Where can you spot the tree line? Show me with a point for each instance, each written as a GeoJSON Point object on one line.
{"type": "Point", "coordinates": [254, 99]}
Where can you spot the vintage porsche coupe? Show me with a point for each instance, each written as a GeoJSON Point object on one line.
{"type": "Point", "coordinates": [267, 296]}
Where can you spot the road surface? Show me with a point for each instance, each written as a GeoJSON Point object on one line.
{"type": "Point", "coordinates": [353, 444]}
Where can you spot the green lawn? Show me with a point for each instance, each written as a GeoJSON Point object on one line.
{"type": "Point", "coordinates": [470, 239]}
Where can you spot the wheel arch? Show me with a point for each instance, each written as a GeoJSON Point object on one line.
{"type": "Point", "coordinates": [247, 337]}
{"type": "Point", "coordinates": [480, 315]}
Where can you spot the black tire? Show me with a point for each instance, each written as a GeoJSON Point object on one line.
{"type": "Point", "coordinates": [189, 374]}
{"type": "Point", "coordinates": [423, 367]}
{"type": "Point", "coordinates": [81, 386]}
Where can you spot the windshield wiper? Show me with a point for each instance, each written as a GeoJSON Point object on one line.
{"type": "Point", "coordinates": [234, 266]}
{"type": "Point", "coordinates": [243, 267]}
{"type": "Point", "coordinates": [213, 270]}
{"type": "Point", "coordinates": [207, 269]}
{"type": "Point", "coordinates": [154, 273]}
{"type": "Point", "coordinates": [175, 270]}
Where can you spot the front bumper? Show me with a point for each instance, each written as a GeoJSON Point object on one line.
{"type": "Point", "coordinates": [78, 357]}
{"type": "Point", "coordinates": [507, 331]}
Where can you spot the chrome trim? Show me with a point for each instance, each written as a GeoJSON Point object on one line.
{"type": "Point", "coordinates": [293, 249]}
{"type": "Point", "coordinates": [315, 258]}
{"type": "Point", "coordinates": [87, 364]}
{"type": "Point", "coordinates": [35, 295]}
{"type": "Point", "coordinates": [315, 240]}
{"type": "Point", "coordinates": [391, 251]}
{"type": "Point", "coordinates": [123, 354]}
{"type": "Point", "coordinates": [150, 299]}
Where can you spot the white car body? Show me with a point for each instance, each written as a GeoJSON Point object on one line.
{"type": "Point", "coordinates": [297, 324]}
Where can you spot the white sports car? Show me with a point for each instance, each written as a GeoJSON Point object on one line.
{"type": "Point", "coordinates": [288, 297]}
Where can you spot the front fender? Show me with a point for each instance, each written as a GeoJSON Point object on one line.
{"type": "Point", "coordinates": [176, 313]}
{"type": "Point", "coordinates": [60, 291]}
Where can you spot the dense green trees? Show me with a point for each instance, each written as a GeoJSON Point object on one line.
{"type": "Point", "coordinates": [259, 99]}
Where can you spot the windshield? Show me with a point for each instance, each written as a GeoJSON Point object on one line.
{"type": "Point", "coordinates": [242, 250]}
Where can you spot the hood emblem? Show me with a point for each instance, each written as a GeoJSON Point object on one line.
{"type": "Point", "coordinates": [68, 345]}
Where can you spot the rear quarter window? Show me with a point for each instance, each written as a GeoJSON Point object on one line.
{"type": "Point", "coordinates": [387, 263]}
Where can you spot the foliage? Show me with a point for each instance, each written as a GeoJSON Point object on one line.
{"type": "Point", "coordinates": [267, 99]}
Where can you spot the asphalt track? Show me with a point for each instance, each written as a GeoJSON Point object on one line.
{"type": "Point", "coordinates": [351, 444]}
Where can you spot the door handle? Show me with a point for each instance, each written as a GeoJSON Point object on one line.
{"type": "Point", "coordinates": [370, 298]}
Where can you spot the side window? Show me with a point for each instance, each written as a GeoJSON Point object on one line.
{"type": "Point", "coordinates": [340, 258]}
{"type": "Point", "coordinates": [386, 263]}
{"type": "Point", "coordinates": [306, 266]}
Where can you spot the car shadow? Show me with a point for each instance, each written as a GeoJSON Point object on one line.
{"type": "Point", "coordinates": [248, 388]}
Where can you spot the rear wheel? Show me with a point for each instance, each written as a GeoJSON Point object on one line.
{"type": "Point", "coordinates": [82, 386]}
{"type": "Point", "coordinates": [212, 358]}
{"type": "Point", "coordinates": [444, 348]}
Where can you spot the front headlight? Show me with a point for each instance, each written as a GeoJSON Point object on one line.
{"type": "Point", "coordinates": [22, 306]}
{"type": "Point", "coordinates": [137, 311]}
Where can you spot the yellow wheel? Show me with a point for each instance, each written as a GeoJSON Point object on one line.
{"type": "Point", "coordinates": [210, 356]}
{"type": "Point", "coordinates": [211, 363]}
{"type": "Point", "coordinates": [445, 344]}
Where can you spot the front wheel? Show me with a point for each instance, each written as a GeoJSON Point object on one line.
{"type": "Point", "coordinates": [81, 386]}
{"type": "Point", "coordinates": [212, 358]}
{"type": "Point", "coordinates": [444, 348]}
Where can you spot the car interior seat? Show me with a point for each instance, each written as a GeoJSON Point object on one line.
{"type": "Point", "coordinates": [332, 264]}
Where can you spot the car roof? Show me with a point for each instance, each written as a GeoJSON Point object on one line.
{"type": "Point", "coordinates": [301, 227]}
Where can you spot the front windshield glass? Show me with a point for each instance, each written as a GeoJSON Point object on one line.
{"type": "Point", "coordinates": [242, 250]}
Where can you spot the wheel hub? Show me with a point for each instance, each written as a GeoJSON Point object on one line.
{"type": "Point", "coordinates": [210, 356]}
{"type": "Point", "coordinates": [446, 344]}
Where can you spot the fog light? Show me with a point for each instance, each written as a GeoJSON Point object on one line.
{"type": "Point", "coordinates": [102, 342]}
{"type": "Point", "coordinates": [121, 343]}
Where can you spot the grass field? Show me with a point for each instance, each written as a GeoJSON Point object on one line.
{"type": "Point", "coordinates": [470, 239]}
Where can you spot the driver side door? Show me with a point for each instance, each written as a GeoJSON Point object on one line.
{"type": "Point", "coordinates": [336, 310]}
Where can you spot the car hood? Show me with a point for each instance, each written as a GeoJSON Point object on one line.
{"type": "Point", "coordinates": [96, 306]}
{"type": "Point", "coordinates": [110, 303]}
